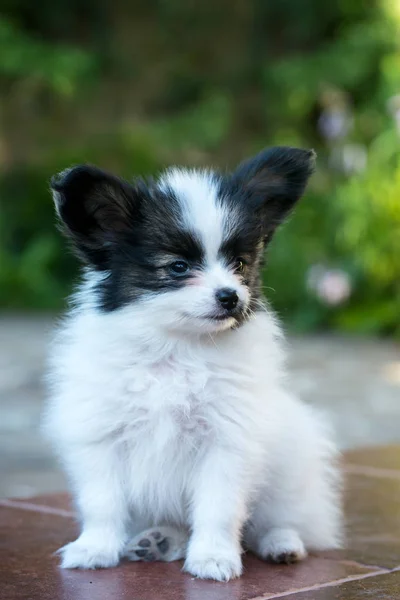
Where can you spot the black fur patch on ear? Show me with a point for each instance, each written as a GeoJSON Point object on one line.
{"type": "Point", "coordinates": [94, 206]}
{"type": "Point", "coordinates": [274, 181]}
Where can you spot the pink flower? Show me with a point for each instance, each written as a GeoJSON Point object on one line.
{"type": "Point", "coordinates": [332, 287]}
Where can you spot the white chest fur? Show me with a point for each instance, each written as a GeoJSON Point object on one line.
{"type": "Point", "coordinates": [160, 406]}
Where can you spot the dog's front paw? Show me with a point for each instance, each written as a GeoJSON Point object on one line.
{"type": "Point", "coordinates": [82, 555]}
{"type": "Point", "coordinates": [214, 565]}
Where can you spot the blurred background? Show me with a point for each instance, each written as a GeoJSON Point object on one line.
{"type": "Point", "coordinates": [134, 86]}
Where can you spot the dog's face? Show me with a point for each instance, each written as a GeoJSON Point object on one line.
{"type": "Point", "coordinates": [188, 246]}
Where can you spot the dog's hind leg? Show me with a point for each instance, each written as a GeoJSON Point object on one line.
{"type": "Point", "coordinates": [158, 543]}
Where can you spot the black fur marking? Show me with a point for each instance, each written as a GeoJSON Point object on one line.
{"type": "Point", "coordinates": [272, 182]}
{"type": "Point", "coordinates": [94, 207]}
{"type": "Point", "coordinates": [261, 192]}
{"type": "Point", "coordinates": [140, 263]}
{"type": "Point", "coordinates": [131, 233]}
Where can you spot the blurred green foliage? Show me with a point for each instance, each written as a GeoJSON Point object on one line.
{"type": "Point", "coordinates": [35, 62]}
{"type": "Point", "coordinates": [135, 86]}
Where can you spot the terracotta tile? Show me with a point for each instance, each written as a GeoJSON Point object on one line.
{"type": "Point", "coordinates": [30, 570]}
{"type": "Point", "coordinates": [59, 505]}
{"type": "Point", "coordinates": [373, 518]}
{"type": "Point", "coordinates": [61, 501]}
{"type": "Point", "coordinates": [385, 457]}
{"type": "Point", "coordinates": [386, 586]}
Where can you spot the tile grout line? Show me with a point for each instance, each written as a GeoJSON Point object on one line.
{"type": "Point", "coordinates": [319, 586]}
{"type": "Point", "coordinates": [357, 563]}
{"type": "Point", "coordinates": [40, 508]}
{"type": "Point", "coordinates": [371, 471]}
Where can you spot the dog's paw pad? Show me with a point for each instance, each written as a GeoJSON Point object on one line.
{"type": "Point", "coordinates": [150, 557]}
{"type": "Point", "coordinates": [287, 558]}
{"type": "Point", "coordinates": [163, 543]}
{"type": "Point", "coordinates": [146, 554]}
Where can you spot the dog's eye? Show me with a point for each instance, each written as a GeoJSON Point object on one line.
{"type": "Point", "coordinates": [239, 265]}
{"type": "Point", "coordinates": [179, 267]}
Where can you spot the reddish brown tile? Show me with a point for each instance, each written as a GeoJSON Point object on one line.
{"type": "Point", "coordinates": [385, 586]}
{"type": "Point", "coordinates": [57, 504]}
{"type": "Point", "coordinates": [373, 518]}
{"type": "Point", "coordinates": [385, 457]}
{"type": "Point", "coordinates": [29, 570]}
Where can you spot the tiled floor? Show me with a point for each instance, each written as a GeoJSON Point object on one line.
{"type": "Point", "coordinates": [31, 530]}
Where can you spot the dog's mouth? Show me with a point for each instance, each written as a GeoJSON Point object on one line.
{"type": "Point", "coordinates": [218, 318]}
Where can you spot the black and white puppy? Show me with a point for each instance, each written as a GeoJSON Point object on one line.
{"type": "Point", "coordinates": [168, 403]}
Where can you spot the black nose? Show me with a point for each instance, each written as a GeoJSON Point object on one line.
{"type": "Point", "coordinates": [227, 298]}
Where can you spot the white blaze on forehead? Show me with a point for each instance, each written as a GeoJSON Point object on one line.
{"type": "Point", "coordinates": [202, 211]}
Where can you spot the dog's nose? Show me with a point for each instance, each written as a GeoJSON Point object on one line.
{"type": "Point", "coordinates": [228, 298]}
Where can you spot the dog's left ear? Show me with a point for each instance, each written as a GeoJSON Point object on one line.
{"type": "Point", "coordinates": [273, 181]}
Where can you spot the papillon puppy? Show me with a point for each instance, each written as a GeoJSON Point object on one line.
{"type": "Point", "coordinates": [168, 404]}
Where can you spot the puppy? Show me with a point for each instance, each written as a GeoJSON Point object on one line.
{"type": "Point", "coordinates": [168, 404]}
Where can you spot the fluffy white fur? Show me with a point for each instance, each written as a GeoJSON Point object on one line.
{"type": "Point", "coordinates": [166, 420]}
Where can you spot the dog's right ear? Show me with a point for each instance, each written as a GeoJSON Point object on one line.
{"type": "Point", "coordinates": [94, 207]}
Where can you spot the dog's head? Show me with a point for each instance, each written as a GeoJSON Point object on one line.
{"type": "Point", "coordinates": [189, 245]}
